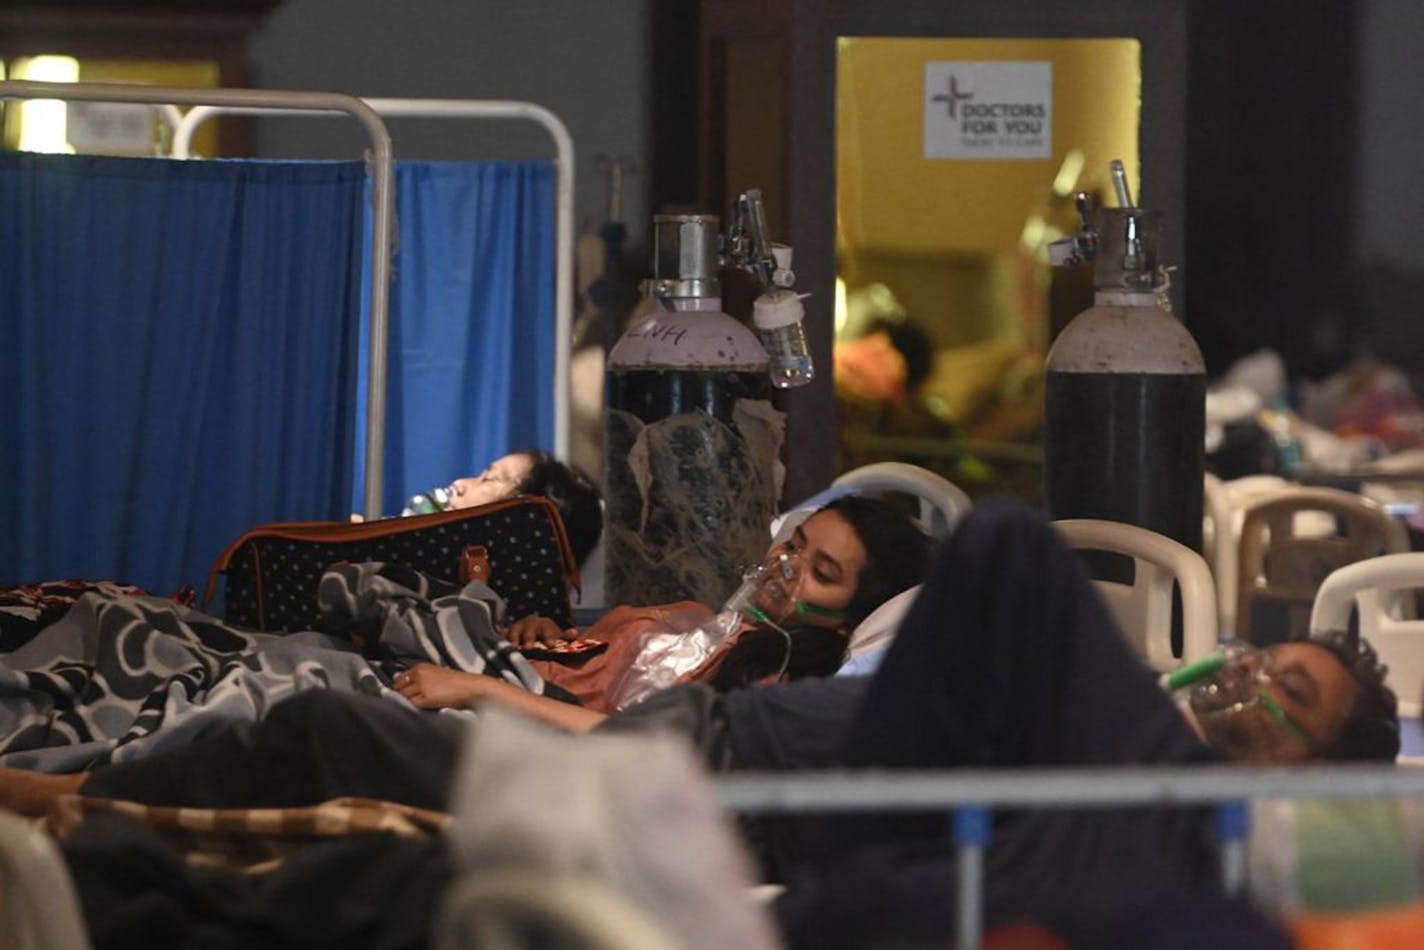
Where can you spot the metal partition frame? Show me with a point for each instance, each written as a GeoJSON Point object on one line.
{"type": "Point", "coordinates": [968, 795]}
{"type": "Point", "coordinates": [564, 222]}
{"type": "Point", "coordinates": [264, 100]}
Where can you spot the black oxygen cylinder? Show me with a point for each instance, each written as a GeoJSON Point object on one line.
{"type": "Point", "coordinates": [1125, 398]}
{"type": "Point", "coordinates": [692, 470]}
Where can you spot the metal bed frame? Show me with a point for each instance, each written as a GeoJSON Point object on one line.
{"type": "Point", "coordinates": [188, 125]}
{"type": "Point", "coordinates": [969, 797]}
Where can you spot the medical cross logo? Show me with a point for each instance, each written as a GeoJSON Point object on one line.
{"type": "Point", "coordinates": [981, 110]}
{"type": "Point", "coordinates": [953, 96]}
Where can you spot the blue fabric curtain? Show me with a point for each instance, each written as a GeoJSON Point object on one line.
{"type": "Point", "coordinates": [472, 323]}
{"type": "Point", "coordinates": [178, 362]}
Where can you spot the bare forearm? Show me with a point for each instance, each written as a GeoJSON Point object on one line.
{"type": "Point", "coordinates": [548, 711]}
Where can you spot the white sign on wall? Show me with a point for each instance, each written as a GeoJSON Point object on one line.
{"type": "Point", "coordinates": [111, 128]}
{"type": "Point", "coordinates": [988, 110]}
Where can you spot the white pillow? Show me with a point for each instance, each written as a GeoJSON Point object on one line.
{"type": "Point", "coordinates": [878, 629]}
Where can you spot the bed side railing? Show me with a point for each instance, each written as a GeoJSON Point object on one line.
{"type": "Point", "coordinates": [969, 796]}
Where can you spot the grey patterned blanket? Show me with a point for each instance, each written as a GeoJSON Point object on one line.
{"type": "Point", "coordinates": [122, 676]}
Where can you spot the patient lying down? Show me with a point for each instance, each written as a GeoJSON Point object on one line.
{"type": "Point", "coordinates": [813, 589]}
{"type": "Point", "coordinates": [531, 472]}
{"type": "Point", "coordinates": [1007, 659]}
{"type": "Point", "coordinates": [121, 678]}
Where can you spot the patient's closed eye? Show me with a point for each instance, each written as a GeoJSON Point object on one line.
{"type": "Point", "coordinates": [827, 570]}
{"type": "Point", "coordinates": [1297, 685]}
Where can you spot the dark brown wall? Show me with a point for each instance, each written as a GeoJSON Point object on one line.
{"type": "Point", "coordinates": [1272, 141]}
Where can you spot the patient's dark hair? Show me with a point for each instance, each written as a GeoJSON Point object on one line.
{"type": "Point", "coordinates": [897, 552]}
{"type": "Point", "coordinates": [1370, 731]}
{"type": "Point", "coordinates": [579, 502]}
{"type": "Point", "coordinates": [914, 345]}
{"type": "Point", "coordinates": [896, 558]}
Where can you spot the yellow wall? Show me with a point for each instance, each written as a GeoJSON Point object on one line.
{"type": "Point", "coordinates": [183, 74]}
{"type": "Point", "coordinates": [948, 237]}
{"type": "Point", "coordinates": [892, 199]}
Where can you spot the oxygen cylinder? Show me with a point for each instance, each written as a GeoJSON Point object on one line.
{"type": "Point", "coordinates": [692, 444]}
{"type": "Point", "coordinates": [1126, 395]}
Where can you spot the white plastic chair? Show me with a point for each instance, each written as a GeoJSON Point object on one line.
{"type": "Point", "coordinates": [878, 629]}
{"type": "Point", "coordinates": [39, 909]}
{"type": "Point", "coordinates": [1382, 590]}
{"type": "Point", "coordinates": [941, 502]}
{"type": "Point", "coordinates": [1143, 609]}
{"type": "Point", "coordinates": [1291, 540]}
{"type": "Point", "coordinates": [1225, 506]}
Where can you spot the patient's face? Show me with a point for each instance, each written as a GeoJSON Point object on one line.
{"type": "Point", "coordinates": [825, 556]}
{"type": "Point", "coordinates": [1313, 690]}
{"type": "Point", "coordinates": [500, 480]}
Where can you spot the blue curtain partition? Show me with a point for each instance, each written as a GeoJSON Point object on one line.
{"type": "Point", "coordinates": [180, 346]}
{"type": "Point", "coordinates": [185, 349]}
{"type": "Point", "coordinates": [472, 323]}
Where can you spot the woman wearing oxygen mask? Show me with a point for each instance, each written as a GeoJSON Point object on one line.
{"type": "Point", "coordinates": [790, 619]}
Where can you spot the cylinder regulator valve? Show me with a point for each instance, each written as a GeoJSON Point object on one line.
{"type": "Point", "coordinates": [777, 314]}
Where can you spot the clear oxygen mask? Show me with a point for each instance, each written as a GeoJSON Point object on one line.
{"type": "Point", "coordinates": [1230, 683]}
{"type": "Point", "coordinates": [675, 648]}
{"type": "Point", "coordinates": [770, 594]}
{"type": "Point", "coordinates": [767, 597]}
{"type": "Point", "coordinates": [1218, 681]}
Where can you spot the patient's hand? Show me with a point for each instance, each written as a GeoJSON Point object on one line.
{"type": "Point", "coordinates": [433, 687]}
{"type": "Point", "coordinates": [534, 630]}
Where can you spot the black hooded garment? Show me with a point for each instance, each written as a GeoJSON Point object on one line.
{"type": "Point", "coordinates": [1010, 659]}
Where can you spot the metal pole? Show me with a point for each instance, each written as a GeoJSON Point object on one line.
{"type": "Point", "coordinates": [972, 825]}
{"type": "Point", "coordinates": [1233, 824]}
{"type": "Point", "coordinates": [831, 791]}
{"type": "Point", "coordinates": [564, 207]}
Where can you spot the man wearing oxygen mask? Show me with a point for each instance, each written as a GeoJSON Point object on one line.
{"type": "Point", "coordinates": [1009, 658]}
{"type": "Point", "coordinates": [1282, 703]}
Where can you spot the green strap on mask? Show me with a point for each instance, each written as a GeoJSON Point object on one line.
{"type": "Point", "coordinates": [805, 611]}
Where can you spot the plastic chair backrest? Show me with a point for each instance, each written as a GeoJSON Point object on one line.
{"type": "Point", "coordinates": [1143, 609]}
{"type": "Point", "coordinates": [1224, 509]}
{"type": "Point", "coordinates": [1382, 590]}
{"type": "Point", "coordinates": [39, 909]}
{"type": "Point", "coordinates": [1281, 567]}
{"type": "Point", "coordinates": [942, 503]}
{"type": "Point", "coordinates": [878, 629]}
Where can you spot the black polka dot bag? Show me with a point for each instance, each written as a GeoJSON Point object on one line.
{"type": "Point", "coordinates": [517, 546]}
